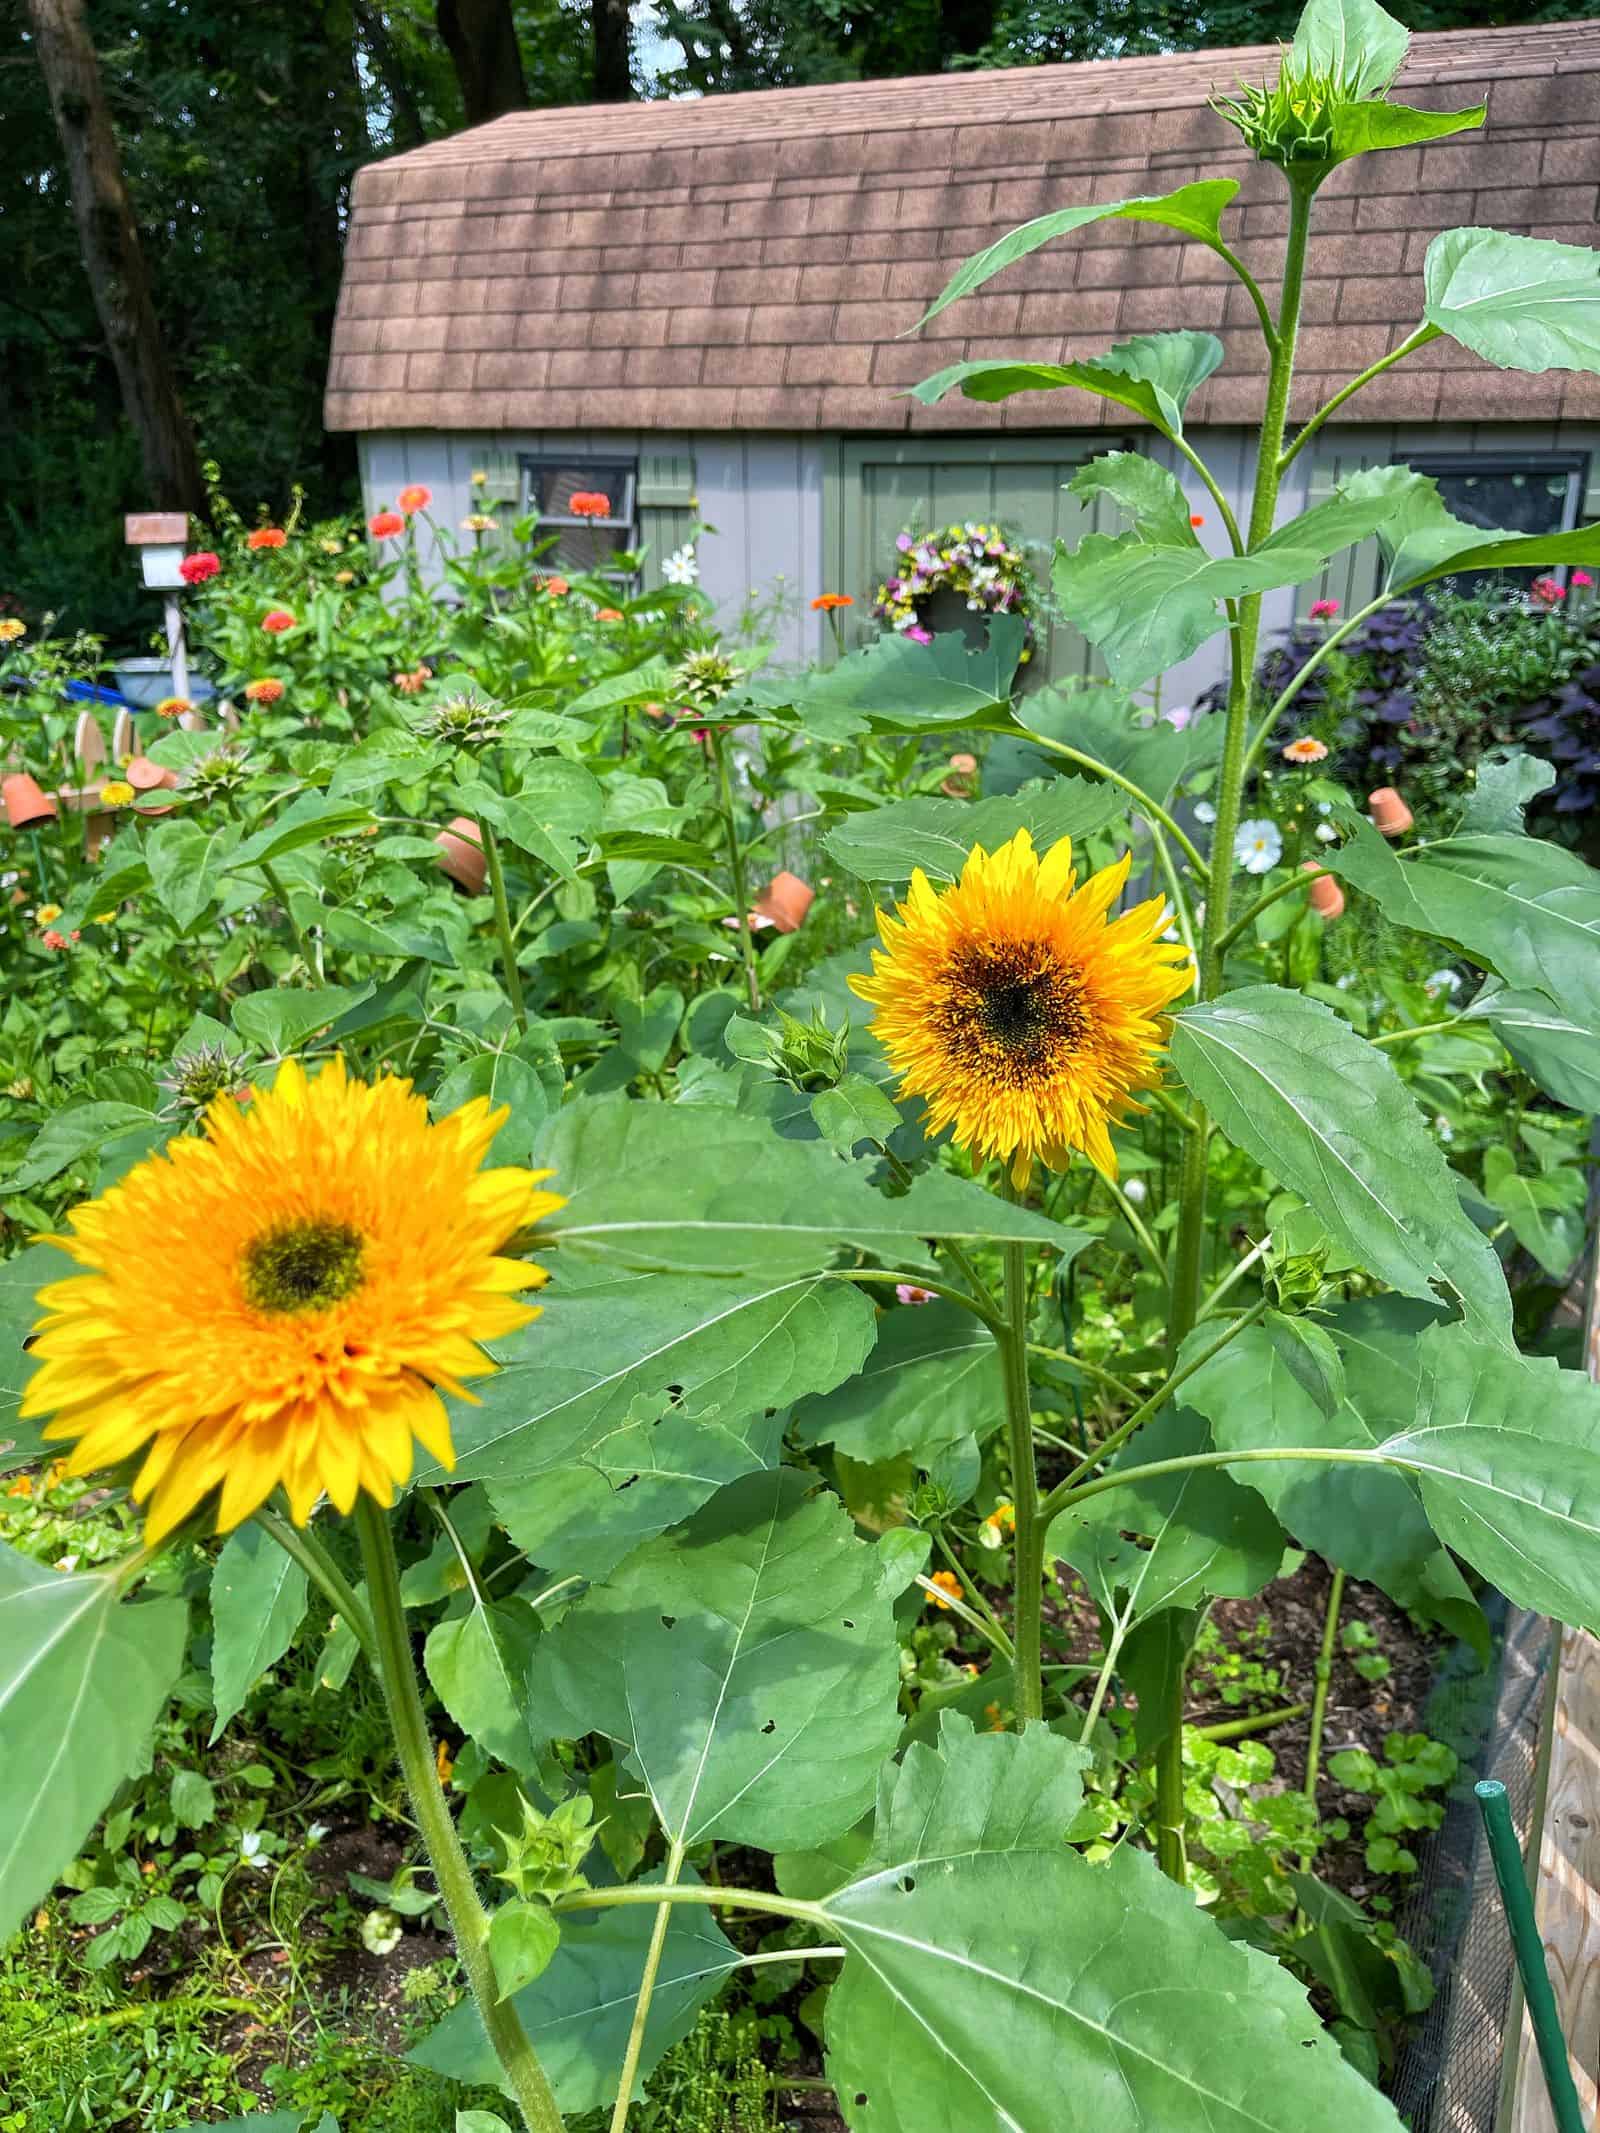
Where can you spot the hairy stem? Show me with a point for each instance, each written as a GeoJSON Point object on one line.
{"type": "Point", "coordinates": [1319, 1699]}
{"type": "Point", "coordinates": [469, 1921]}
{"type": "Point", "coordinates": [303, 1547]}
{"type": "Point", "coordinates": [736, 867]}
{"type": "Point", "coordinates": [502, 924]}
{"type": "Point", "coordinates": [1247, 1728]}
{"type": "Point", "coordinates": [1028, 1555]}
{"type": "Point", "coordinates": [647, 1989]}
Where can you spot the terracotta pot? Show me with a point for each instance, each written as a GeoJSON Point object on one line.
{"type": "Point", "coordinates": [785, 900]}
{"type": "Point", "coordinates": [1325, 895]}
{"type": "Point", "coordinates": [461, 855]}
{"type": "Point", "coordinates": [1390, 814]}
{"type": "Point", "coordinates": [145, 777]}
{"type": "Point", "coordinates": [26, 801]}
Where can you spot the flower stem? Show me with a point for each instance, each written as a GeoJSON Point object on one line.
{"type": "Point", "coordinates": [274, 882]}
{"type": "Point", "coordinates": [469, 1921]}
{"type": "Point", "coordinates": [1247, 1728]}
{"type": "Point", "coordinates": [736, 867]}
{"type": "Point", "coordinates": [502, 923]}
{"type": "Point", "coordinates": [1319, 1699]}
{"type": "Point", "coordinates": [646, 1993]}
{"type": "Point", "coordinates": [303, 1547]}
{"type": "Point", "coordinates": [1028, 1555]}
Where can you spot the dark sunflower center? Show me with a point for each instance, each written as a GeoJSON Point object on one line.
{"type": "Point", "coordinates": [304, 1266]}
{"type": "Point", "coordinates": [1011, 1012]}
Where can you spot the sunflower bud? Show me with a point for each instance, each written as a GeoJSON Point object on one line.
{"type": "Point", "coordinates": [809, 1055]}
{"type": "Point", "coordinates": [199, 1077]}
{"type": "Point", "coordinates": [704, 678]}
{"type": "Point", "coordinates": [217, 776]}
{"type": "Point", "coordinates": [545, 1857]}
{"type": "Point", "coordinates": [1292, 121]}
{"type": "Point", "coordinates": [467, 721]}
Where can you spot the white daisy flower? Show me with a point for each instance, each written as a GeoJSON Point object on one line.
{"type": "Point", "coordinates": [1258, 845]}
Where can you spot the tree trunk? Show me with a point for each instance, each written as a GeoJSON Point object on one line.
{"type": "Point", "coordinates": [112, 257]}
{"type": "Point", "coordinates": [613, 58]}
{"type": "Point", "coordinates": [481, 38]}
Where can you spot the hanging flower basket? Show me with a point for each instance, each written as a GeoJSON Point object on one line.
{"type": "Point", "coordinates": [974, 560]}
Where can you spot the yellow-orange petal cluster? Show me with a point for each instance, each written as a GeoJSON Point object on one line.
{"type": "Point", "coordinates": [1022, 1013]}
{"type": "Point", "coordinates": [279, 1302]}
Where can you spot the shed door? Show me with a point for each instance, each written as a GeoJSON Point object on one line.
{"type": "Point", "coordinates": [892, 485]}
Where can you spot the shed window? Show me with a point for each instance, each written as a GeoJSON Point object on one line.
{"type": "Point", "coordinates": [584, 543]}
{"type": "Point", "coordinates": [1526, 492]}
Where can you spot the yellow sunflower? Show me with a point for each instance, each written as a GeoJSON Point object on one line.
{"type": "Point", "coordinates": [1021, 1012]}
{"type": "Point", "coordinates": [277, 1302]}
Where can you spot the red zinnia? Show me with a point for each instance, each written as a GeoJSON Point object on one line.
{"type": "Point", "coordinates": [589, 503]}
{"type": "Point", "coordinates": [383, 524]}
{"type": "Point", "coordinates": [825, 603]}
{"type": "Point", "coordinates": [276, 620]}
{"type": "Point", "coordinates": [263, 692]}
{"type": "Point", "coordinates": [195, 569]}
{"type": "Point", "coordinates": [266, 537]}
{"type": "Point", "coordinates": [414, 498]}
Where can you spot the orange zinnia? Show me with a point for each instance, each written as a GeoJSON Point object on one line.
{"type": "Point", "coordinates": [276, 621]}
{"type": "Point", "coordinates": [1305, 750]}
{"type": "Point", "coordinates": [825, 603]}
{"type": "Point", "coordinates": [384, 524]}
{"type": "Point", "coordinates": [589, 503]}
{"type": "Point", "coordinates": [263, 692]}
{"type": "Point", "coordinates": [266, 537]}
{"type": "Point", "coordinates": [414, 498]}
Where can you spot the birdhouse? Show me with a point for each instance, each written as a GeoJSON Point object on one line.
{"type": "Point", "coordinates": [161, 538]}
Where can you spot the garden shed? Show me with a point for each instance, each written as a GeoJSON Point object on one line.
{"type": "Point", "coordinates": [705, 310]}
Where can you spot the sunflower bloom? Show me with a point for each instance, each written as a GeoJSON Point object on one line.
{"type": "Point", "coordinates": [278, 1302]}
{"type": "Point", "coordinates": [1021, 1013]}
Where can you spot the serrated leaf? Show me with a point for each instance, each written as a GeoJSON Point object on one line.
{"type": "Point", "coordinates": [1504, 782]}
{"type": "Point", "coordinates": [1525, 303]}
{"type": "Point", "coordinates": [478, 1664]}
{"type": "Point", "coordinates": [1526, 909]}
{"type": "Point", "coordinates": [194, 1800]}
{"type": "Point", "coordinates": [281, 1019]}
{"type": "Point", "coordinates": [695, 1188]}
{"type": "Point", "coordinates": [186, 862]}
{"type": "Point", "coordinates": [1561, 1052]}
{"type": "Point", "coordinates": [980, 1981]}
{"type": "Point", "coordinates": [258, 1601]}
{"type": "Point", "coordinates": [552, 818]}
{"type": "Point", "coordinates": [747, 1663]}
{"type": "Point", "coordinates": [21, 1278]}
{"type": "Point", "coordinates": [933, 1377]}
{"type": "Point", "coordinates": [1154, 374]}
{"type": "Point", "coordinates": [312, 818]}
{"type": "Point", "coordinates": [854, 1111]}
{"type": "Point", "coordinates": [1353, 41]}
{"type": "Point", "coordinates": [578, 2014]}
{"type": "Point", "coordinates": [601, 1357]}
{"type": "Point", "coordinates": [1357, 129]}
{"type": "Point", "coordinates": [1196, 210]}
{"type": "Point", "coordinates": [1105, 724]}
{"type": "Point", "coordinates": [1148, 492]}
{"type": "Point", "coordinates": [1325, 1113]}
{"type": "Point", "coordinates": [1194, 1541]}
{"type": "Point", "coordinates": [938, 836]}
{"type": "Point", "coordinates": [68, 1135]}
{"type": "Point", "coordinates": [894, 685]}
{"type": "Point", "coordinates": [976, 1792]}
{"type": "Point", "coordinates": [361, 934]}
{"type": "Point", "coordinates": [83, 1677]}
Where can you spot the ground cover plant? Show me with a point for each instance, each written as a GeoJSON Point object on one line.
{"type": "Point", "coordinates": [715, 1336]}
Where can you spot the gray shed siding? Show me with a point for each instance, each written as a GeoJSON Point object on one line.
{"type": "Point", "coordinates": [794, 514]}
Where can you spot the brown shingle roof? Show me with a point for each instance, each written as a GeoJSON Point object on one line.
{"type": "Point", "coordinates": [749, 262]}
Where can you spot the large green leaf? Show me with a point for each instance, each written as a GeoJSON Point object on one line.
{"type": "Point", "coordinates": [478, 1663]}
{"type": "Point", "coordinates": [552, 817]}
{"type": "Point", "coordinates": [983, 1985]}
{"type": "Point", "coordinates": [1275, 1387]}
{"type": "Point", "coordinates": [68, 1135]}
{"type": "Point", "coordinates": [21, 1278]}
{"type": "Point", "coordinates": [579, 2012]}
{"type": "Point", "coordinates": [311, 819]}
{"type": "Point", "coordinates": [695, 1188]}
{"type": "Point", "coordinates": [1505, 781]}
{"type": "Point", "coordinates": [889, 843]}
{"type": "Point", "coordinates": [1104, 723]}
{"type": "Point", "coordinates": [1526, 909]}
{"type": "Point", "coordinates": [1154, 374]}
{"type": "Point", "coordinates": [83, 1678]}
{"type": "Point", "coordinates": [1353, 41]}
{"type": "Point", "coordinates": [186, 862]}
{"type": "Point", "coordinates": [747, 1663]}
{"type": "Point", "coordinates": [984, 1792]}
{"type": "Point", "coordinates": [1359, 128]}
{"type": "Point", "coordinates": [933, 1378]}
{"type": "Point", "coordinates": [1561, 1052]}
{"type": "Point", "coordinates": [613, 1347]}
{"type": "Point", "coordinates": [896, 686]}
{"type": "Point", "coordinates": [1174, 1541]}
{"type": "Point", "coordinates": [1196, 210]}
{"type": "Point", "coordinates": [1325, 1113]}
{"type": "Point", "coordinates": [1148, 492]}
{"type": "Point", "coordinates": [258, 1601]}
{"type": "Point", "coordinates": [1525, 303]}
{"type": "Point", "coordinates": [655, 1469]}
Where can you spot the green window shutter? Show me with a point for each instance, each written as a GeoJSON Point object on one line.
{"type": "Point", "coordinates": [1350, 577]}
{"type": "Point", "coordinates": [1589, 501]}
{"type": "Point", "coordinates": [666, 506]}
{"type": "Point", "coordinates": [504, 486]}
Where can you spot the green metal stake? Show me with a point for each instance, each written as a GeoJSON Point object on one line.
{"type": "Point", "coordinates": [1511, 1875]}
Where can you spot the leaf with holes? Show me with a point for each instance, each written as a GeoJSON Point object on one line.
{"type": "Point", "coordinates": [83, 1678]}
{"type": "Point", "coordinates": [932, 1379]}
{"type": "Point", "coordinates": [1325, 1113]}
{"type": "Point", "coordinates": [747, 1664]}
{"type": "Point", "coordinates": [1150, 494]}
{"type": "Point", "coordinates": [990, 1967]}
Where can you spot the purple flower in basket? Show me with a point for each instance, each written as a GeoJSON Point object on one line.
{"type": "Point", "coordinates": [919, 635]}
{"type": "Point", "coordinates": [904, 542]}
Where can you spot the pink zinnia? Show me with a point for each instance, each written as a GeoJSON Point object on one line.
{"type": "Point", "coordinates": [907, 1292]}
{"type": "Point", "coordinates": [1580, 577]}
{"type": "Point", "coordinates": [195, 569]}
{"type": "Point", "coordinates": [1324, 610]}
{"type": "Point", "coordinates": [1547, 591]}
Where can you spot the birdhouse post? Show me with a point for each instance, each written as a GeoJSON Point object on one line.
{"type": "Point", "coordinates": [160, 538]}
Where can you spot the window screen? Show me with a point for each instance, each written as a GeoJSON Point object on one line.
{"type": "Point", "coordinates": [1526, 492]}
{"type": "Point", "coordinates": [583, 543]}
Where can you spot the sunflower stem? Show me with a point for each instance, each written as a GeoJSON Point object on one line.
{"type": "Point", "coordinates": [396, 1669]}
{"type": "Point", "coordinates": [1028, 1556]}
{"type": "Point", "coordinates": [646, 1993]}
{"type": "Point", "coordinates": [274, 881]}
{"type": "Point", "coordinates": [502, 924]}
{"type": "Point", "coordinates": [736, 866]}
{"type": "Point", "coordinates": [302, 1546]}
